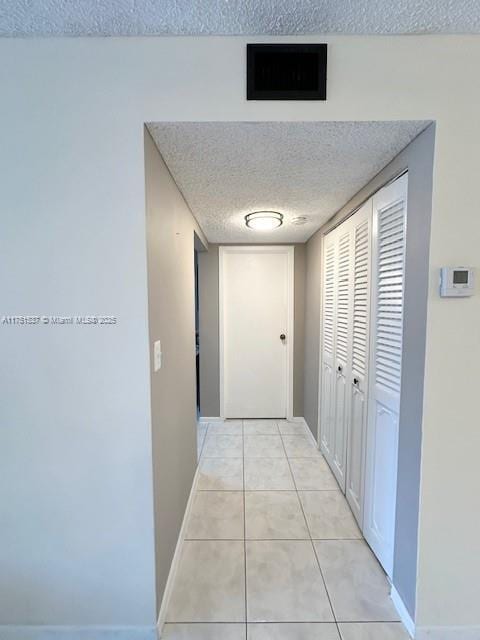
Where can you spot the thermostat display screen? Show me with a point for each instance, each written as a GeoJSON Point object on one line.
{"type": "Point", "coordinates": [456, 282]}
{"type": "Point", "coordinates": [460, 277]}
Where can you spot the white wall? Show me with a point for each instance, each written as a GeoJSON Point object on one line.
{"type": "Point", "coordinates": [75, 445]}
{"type": "Point", "coordinates": [76, 518]}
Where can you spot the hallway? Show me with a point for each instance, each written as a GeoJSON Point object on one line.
{"type": "Point", "coordinates": [271, 548]}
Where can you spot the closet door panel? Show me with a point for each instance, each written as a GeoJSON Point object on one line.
{"type": "Point", "coordinates": [327, 405]}
{"type": "Point", "coordinates": [355, 455]}
{"type": "Point", "coordinates": [340, 428]}
{"type": "Point", "coordinates": [342, 348]}
{"type": "Point", "coordinates": [327, 411]}
{"type": "Point", "coordinates": [358, 386]}
{"type": "Point", "coordinates": [389, 220]}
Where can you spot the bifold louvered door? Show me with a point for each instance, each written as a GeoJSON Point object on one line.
{"type": "Point", "coordinates": [337, 323]}
{"type": "Point", "coordinates": [388, 274]}
{"type": "Point", "coordinates": [336, 347]}
{"type": "Point", "coordinates": [362, 327]}
{"type": "Point", "coordinates": [358, 379]}
{"type": "Point", "coordinates": [342, 360]}
{"type": "Point", "coordinates": [327, 403]}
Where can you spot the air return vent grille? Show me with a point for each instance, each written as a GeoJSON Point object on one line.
{"type": "Point", "coordinates": [286, 72]}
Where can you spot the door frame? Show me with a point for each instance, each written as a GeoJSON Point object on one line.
{"type": "Point", "coordinates": [289, 251]}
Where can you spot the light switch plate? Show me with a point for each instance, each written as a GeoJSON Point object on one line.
{"type": "Point", "coordinates": [157, 356]}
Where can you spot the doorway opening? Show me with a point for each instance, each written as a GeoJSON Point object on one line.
{"type": "Point", "coordinates": [325, 410]}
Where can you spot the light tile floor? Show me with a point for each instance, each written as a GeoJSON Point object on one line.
{"type": "Point", "coordinates": [272, 551]}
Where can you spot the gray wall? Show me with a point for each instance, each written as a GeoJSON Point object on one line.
{"type": "Point", "coordinates": [418, 158]}
{"type": "Point", "coordinates": [313, 263]}
{"type": "Point", "coordinates": [299, 330]}
{"type": "Point", "coordinates": [209, 352]}
{"type": "Point", "coordinates": [209, 331]}
{"type": "Point", "coordinates": [171, 316]}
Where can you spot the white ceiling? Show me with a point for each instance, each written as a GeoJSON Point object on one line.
{"type": "Point", "coordinates": [228, 169]}
{"type": "Point", "coordinates": [235, 17]}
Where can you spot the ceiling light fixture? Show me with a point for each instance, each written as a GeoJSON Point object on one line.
{"type": "Point", "coordinates": [264, 220]}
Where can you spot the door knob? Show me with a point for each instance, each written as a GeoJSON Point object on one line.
{"type": "Point", "coordinates": [339, 368]}
{"type": "Point", "coordinates": [355, 381]}
{"type": "Point", "coordinates": [282, 336]}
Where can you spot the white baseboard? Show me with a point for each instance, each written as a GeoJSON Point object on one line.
{"type": "Point", "coordinates": [431, 633]}
{"type": "Point", "coordinates": [60, 632]}
{"type": "Point", "coordinates": [204, 419]}
{"type": "Point", "coordinates": [176, 558]}
{"type": "Point", "coordinates": [403, 612]}
{"type": "Point", "coordinates": [448, 633]}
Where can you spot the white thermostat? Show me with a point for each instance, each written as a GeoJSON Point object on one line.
{"type": "Point", "coordinates": [456, 282]}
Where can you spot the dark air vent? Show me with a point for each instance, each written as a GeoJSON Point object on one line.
{"type": "Point", "coordinates": [286, 71]}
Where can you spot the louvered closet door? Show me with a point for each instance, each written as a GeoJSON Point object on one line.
{"type": "Point", "coordinates": [342, 348]}
{"type": "Point", "coordinates": [358, 380]}
{"type": "Point", "coordinates": [327, 406]}
{"type": "Point", "coordinates": [389, 219]}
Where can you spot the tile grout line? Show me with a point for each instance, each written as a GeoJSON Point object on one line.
{"type": "Point", "coordinates": [271, 539]}
{"type": "Point", "coordinates": [244, 528]}
{"type": "Point", "coordinates": [269, 490]}
{"type": "Point", "coordinates": [282, 622]}
{"type": "Point", "coordinates": [311, 542]}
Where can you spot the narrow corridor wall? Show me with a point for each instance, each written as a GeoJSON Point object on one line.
{"type": "Point", "coordinates": [171, 319]}
{"type": "Point", "coordinates": [209, 332]}
{"type": "Point", "coordinates": [313, 279]}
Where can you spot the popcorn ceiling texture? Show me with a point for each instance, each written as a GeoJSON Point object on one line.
{"type": "Point", "coordinates": [228, 169]}
{"type": "Point", "coordinates": [235, 17]}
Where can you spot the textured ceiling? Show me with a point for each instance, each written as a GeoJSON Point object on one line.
{"type": "Point", "coordinates": [228, 169]}
{"type": "Point", "coordinates": [235, 17]}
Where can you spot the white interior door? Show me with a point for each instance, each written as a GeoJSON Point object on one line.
{"type": "Point", "coordinates": [256, 310]}
{"type": "Point", "coordinates": [327, 402]}
{"type": "Point", "coordinates": [358, 382]}
{"type": "Point", "coordinates": [389, 219]}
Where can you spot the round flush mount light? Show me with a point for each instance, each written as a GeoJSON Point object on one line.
{"type": "Point", "coordinates": [298, 220]}
{"type": "Point", "coordinates": [264, 220]}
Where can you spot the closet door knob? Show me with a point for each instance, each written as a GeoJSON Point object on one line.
{"type": "Point", "coordinates": [339, 368]}
{"type": "Point", "coordinates": [282, 336]}
{"type": "Point", "coordinates": [355, 381]}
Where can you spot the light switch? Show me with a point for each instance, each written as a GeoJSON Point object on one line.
{"type": "Point", "coordinates": [157, 356]}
